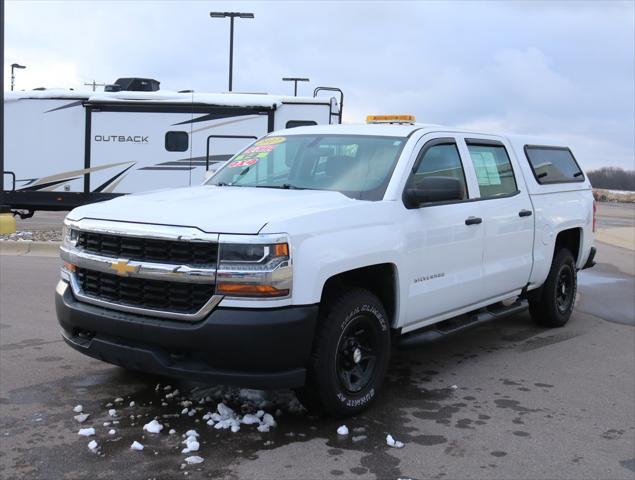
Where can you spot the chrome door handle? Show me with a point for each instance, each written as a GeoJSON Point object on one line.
{"type": "Point", "coordinates": [473, 220]}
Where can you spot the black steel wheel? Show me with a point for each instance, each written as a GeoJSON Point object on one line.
{"type": "Point", "coordinates": [351, 352]}
{"type": "Point", "coordinates": [552, 304]}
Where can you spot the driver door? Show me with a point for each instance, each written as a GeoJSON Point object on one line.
{"type": "Point", "coordinates": [445, 240]}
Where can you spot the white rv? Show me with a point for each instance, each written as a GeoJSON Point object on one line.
{"type": "Point", "coordinates": [66, 148]}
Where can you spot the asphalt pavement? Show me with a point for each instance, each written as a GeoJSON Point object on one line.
{"type": "Point", "coordinates": [507, 400]}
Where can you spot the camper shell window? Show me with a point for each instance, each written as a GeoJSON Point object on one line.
{"type": "Point", "coordinates": [553, 164]}
{"type": "Point", "coordinates": [300, 123]}
{"type": "Point", "coordinates": [176, 141]}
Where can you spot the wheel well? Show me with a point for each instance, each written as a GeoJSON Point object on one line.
{"type": "Point", "coordinates": [381, 280]}
{"type": "Point", "coordinates": [569, 239]}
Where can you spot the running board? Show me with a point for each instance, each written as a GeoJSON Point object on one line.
{"type": "Point", "coordinates": [461, 323]}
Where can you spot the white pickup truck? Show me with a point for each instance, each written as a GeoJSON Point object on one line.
{"type": "Point", "coordinates": [314, 251]}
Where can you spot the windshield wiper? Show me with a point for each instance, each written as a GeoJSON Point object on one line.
{"type": "Point", "coordinates": [285, 186]}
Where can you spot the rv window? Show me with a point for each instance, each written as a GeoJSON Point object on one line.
{"type": "Point", "coordinates": [176, 141]}
{"type": "Point", "coordinates": [300, 123]}
{"type": "Point", "coordinates": [553, 165]}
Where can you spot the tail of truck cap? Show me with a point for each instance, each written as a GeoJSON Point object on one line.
{"type": "Point", "coordinates": [400, 119]}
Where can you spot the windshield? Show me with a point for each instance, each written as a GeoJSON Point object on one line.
{"type": "Point", "coordinates": [358, 166]}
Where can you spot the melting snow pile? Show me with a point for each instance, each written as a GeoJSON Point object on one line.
{"type": "Point", "coordinates": [191, 442]}
{"type": "Point", "coordinates": [136, 446]}
{"type": "Point", "coordinates": [194, 459]}
{"type": "Point", "coordinates": [391, 442]}
{"type": "Point", "coordinates": [153, 427]}
{"type": "Point", "coordinates": [81, 418]}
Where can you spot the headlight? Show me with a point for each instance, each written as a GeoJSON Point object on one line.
{"type": "Point", "coordinates": [254, 270]}
{"type": "Point", "coordinates": [69, 235]}
{"type": "Point", "coordinates": [69, 240]}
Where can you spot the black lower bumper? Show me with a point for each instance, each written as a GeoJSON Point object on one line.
{"type": "Point", "coordinates": [257, 348]}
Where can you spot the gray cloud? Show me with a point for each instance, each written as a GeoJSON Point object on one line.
{"type": "Point", "coordinates": [555, 68]}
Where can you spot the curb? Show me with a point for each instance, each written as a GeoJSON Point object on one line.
{"type": "Point", "coordinates": [37, 249]}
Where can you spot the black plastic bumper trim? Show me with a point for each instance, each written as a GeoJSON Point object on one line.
{"type": "Point", "coordinates": [256, 348]}
{"type": "Point", "coordinates": [590, 262]}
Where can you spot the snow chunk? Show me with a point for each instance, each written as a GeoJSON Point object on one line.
{"type": "Point", "coordinates": [112, 431]}
{"type": "Point", "coordinates": [194, 459]}
{"type": "Point", "coordinates": [86, 432]}
{"type": "Point", "coordinates": [359, 438]}
{"type": "Point", "coordinates": [263, 427]}
{"type": "Point", "coordinates": [391, 442]}
{"type": "Point", "coordinates": [250, 419]}
{"type": "Point", "coordinates": [136, 446]}
{"type": "Point", "coordinates": [267, 419]}
{"type": "Point", "coordinates": [172, 431]}
{"type": "Point", "coordinates": [453, 387]}
{"type": "Point", "coordinates": [342, 430]}
{"type": "Point", "coordinates": [224, 411]}
{"type": "Point", "coordinates": [78, 409]}
{"type": "Point", "coordinates": [132, 404]}
{"type": "Point", "coordinates": [92, 445]}
{"type": "Point", "coordinates": [112, 412]}
{"type": "Point", "coordinates": [191, 433]}
{"type": "Point", "coordinates": [235, 428]}
{"type": "Point", "coordinates": [184, 411]}
{"type": "Point", "coordinates": [153, 427]}
{"type": "Point", "coordinates": [191, 444]}
{"type": "Point", "coordinates": [81, 418]}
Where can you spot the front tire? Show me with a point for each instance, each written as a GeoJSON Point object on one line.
{"type": "Point", "coordinates": [553, 304]}
{"type": "Point", "coordinates": [350, 355]}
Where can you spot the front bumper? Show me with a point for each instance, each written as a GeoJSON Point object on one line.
{"type": "Point", "coordinates": [256, 348]}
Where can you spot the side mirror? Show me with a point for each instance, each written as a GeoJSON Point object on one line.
{"type": "Point", "coordinates": [433, 190]}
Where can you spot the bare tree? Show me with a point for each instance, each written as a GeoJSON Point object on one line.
{"type": "Point", "coordinates": [612, 178]}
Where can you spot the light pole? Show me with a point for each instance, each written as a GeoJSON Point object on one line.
{"type": "Point", "coordinates": [231, 16]}
{"type": "Point", "coordinates": [13, 67]}
{"type": "Point", "coordinates": [295, 80]}
{"type": "Point", "coordinates": [94, 84]}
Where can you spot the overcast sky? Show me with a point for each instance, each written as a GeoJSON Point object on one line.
{"type": "Point", "coordinates": [562, 69]}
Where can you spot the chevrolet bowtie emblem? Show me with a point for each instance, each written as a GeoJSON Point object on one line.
{"type": "Point", "coordinates": [122, 268]}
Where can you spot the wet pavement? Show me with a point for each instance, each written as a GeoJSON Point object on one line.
{"type": "Point", "coordinates": [505, 400]}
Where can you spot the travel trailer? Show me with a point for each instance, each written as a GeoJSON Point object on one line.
{"type": "Point", "coordinates": [66, 148]}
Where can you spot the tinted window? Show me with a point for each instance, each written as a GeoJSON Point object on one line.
{"type": "Point", "coordinates": [359, 166]}
{"type": "Point", "coordinates": [176, 141]}
{"type": "Point", "coordinates": [300, 123]}
{"type": "Point", "coordinates": [439, 161]}
{"type": "Point", "coordinates": [553, 165]}
{"type": "Point", "coordinates": [493, 170]}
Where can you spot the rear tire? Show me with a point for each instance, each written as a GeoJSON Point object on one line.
{"type": "Point", "coordinates": [350, 355]}
{"type": "Point", "coordinates": [552, 304]}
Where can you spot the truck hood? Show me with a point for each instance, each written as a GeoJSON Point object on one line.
{"type": "Point", "coordinates": [240, 210]}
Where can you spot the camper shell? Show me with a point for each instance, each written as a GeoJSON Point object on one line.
{"type": "Point", "coordinates": [67, 148]}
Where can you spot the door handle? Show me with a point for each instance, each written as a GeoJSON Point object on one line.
{"type": "Point", "coordinates": [473, 220]}
{"type": "Point", "coordinates": [525, 213]}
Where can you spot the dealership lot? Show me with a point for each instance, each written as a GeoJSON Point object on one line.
{"type": "Point", "coordinates": [505, 400]}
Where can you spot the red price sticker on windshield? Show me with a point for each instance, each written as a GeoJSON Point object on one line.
{"type": "Point", "coordinates": [260, 149]}
{"type": "Point", "coordinates": [243, 163]}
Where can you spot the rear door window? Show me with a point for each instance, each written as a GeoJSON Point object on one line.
{"type": "Point", "coordinates": [553, 165]}
{"type": "Point", "coordinates": [493, 169]}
